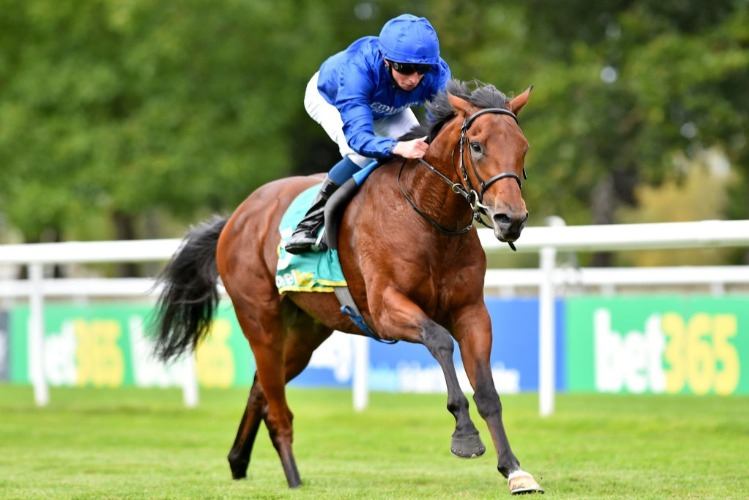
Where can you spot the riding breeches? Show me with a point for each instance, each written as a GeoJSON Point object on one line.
{"type": "Point", "coordinates": [329, 117]}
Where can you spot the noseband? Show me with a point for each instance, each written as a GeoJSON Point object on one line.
{"type": "Point", "coordinates": [467, 192]}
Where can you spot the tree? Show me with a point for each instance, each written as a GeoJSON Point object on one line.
{"type": "Point", "coordinates": [120, 108]}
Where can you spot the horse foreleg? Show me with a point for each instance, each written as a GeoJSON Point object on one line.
{"type": "Point", "coordinates": [490, 408]}
{"type": "Point", "coordinates": [466, 442]}
{"type": "Point", "coordinates": [239, 455]}
{"type": "Point", "coordinates": [474, 338]}
{"type": "Point", "coordinates": [400, 318]}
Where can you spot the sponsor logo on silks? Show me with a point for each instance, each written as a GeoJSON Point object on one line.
{"type": "Point", "coordinates": [379, 108]}
{"type": "Point", "coordinates": [670, 354]}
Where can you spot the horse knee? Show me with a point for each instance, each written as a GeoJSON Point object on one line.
{"type": "Point", "coordinates": [487, 401]}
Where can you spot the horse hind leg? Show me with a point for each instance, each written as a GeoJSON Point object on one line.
{"type": "Point", "coordinates": [267, 401]}
{"type": "Point", "coordinates": [278, 418]}
{"type": "Point", "coordinates": [301, 341]}
{"type": "Point", "coordinates": [239, 455]}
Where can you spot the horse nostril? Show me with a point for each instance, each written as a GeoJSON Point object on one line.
{"type": "Point", "coordinates": [509, 223]}
{"type": "Point", "coordinates": [503, 219]}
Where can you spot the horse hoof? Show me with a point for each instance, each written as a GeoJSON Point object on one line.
{"type": "Point", "coordinates": [521, 483]}
{"type": "Point", "coordinates": [238, 468]}
{"type": "Point", "coordinates": [469, 446]}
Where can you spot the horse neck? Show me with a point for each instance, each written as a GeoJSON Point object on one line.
{"type": "Point", "coordinates": [431, 194]}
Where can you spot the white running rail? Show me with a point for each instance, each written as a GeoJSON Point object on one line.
{"type": "Point", "coordinates": [546, 241]}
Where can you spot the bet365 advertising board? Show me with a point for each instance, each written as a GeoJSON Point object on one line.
{"type": "Point", "coordinates": [656, 344]}
{"type": "Point", "coordinates": [107, 346]}
{"type": "Point", "coordinates": [644, 344]}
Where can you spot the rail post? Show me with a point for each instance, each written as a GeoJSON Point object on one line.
{"type": "Point", "coordinates": [546, 323]}
{"type": "Point", "coordinates": [36, 334]}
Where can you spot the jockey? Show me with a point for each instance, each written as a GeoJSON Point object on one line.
{"type": "Point", "coordinates": [363, 97]}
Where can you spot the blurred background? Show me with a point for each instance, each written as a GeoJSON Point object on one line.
{"type": "Point", "coordinates": [132, 119]}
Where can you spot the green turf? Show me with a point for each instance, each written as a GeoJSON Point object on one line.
{"type": "Point", "coordinates": [138, 443]}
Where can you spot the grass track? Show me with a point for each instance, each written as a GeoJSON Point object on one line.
{"type": "Point", "coordinates": [139, 443]}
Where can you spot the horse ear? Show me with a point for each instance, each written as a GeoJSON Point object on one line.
{"type": "Point", "coordinates": [461, 106]}
{"type": "Point", "coordinates": [517, 103]}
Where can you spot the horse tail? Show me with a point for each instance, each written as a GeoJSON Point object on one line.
{"type": "Point", "coordinates": [190, 291]}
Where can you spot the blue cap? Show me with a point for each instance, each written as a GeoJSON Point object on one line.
{"type": "Point", "coordinates": [410, 39]}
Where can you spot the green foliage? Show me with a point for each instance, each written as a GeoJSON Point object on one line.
{"type": "Point", "coordinates": [700, 193]}
{"type": "Point", "coordinates": [135, 106]}
{"type": "Point", "coordinates": [620, 87]}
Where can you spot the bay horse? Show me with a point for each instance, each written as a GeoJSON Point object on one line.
{"type": "Point", "coordinates": [411, 257]}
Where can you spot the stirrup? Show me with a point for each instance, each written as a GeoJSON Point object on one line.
{"type": "Point", "coordinates": [320, 243]}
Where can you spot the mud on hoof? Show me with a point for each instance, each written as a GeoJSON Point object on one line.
{"type": "Point", "coordinates": [469, 446]}
{"type": "Point", "coordinates": [521, 483]}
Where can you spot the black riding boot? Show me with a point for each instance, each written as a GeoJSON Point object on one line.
{"type": "Point", "coordinates": [305, 234]}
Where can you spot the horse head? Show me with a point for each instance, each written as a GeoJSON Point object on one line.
{"type": "Point", "coordinates": [490, 156]}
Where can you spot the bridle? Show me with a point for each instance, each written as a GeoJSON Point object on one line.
{"type": "Point", "coordinates": [465, 188]}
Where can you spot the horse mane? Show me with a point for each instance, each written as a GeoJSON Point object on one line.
{"type": "Point", "coordinates": [440, 111]}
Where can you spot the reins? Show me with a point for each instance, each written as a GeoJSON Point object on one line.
{"type": "Point", "coordinates": [469, 194]}
{"type": "Point", "coordinates": [456, 187]}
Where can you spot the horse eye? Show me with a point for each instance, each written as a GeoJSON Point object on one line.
{"type": "Point", "coordinates": [475, 147]}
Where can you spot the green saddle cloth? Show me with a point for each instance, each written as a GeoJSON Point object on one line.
{"type": "Point", "coordinates": [309, 272]}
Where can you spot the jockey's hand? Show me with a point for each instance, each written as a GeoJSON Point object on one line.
{"type": "Point", "coordinates": [415, 148]}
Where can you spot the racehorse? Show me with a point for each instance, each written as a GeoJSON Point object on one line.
{"type": "Point", "coordinates": [412, 261]}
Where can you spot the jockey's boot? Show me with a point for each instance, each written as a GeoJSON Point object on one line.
{"type": "Point", "coordinates": [304, 237]}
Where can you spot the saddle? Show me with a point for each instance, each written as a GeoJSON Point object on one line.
{"type": "Point", "coordinates": [321, 271]}
{"type": "Point", "coordinates": [338, 202]}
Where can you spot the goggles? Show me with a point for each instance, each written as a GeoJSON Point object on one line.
{"type": "Point", "coordinates": [410, 69]}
